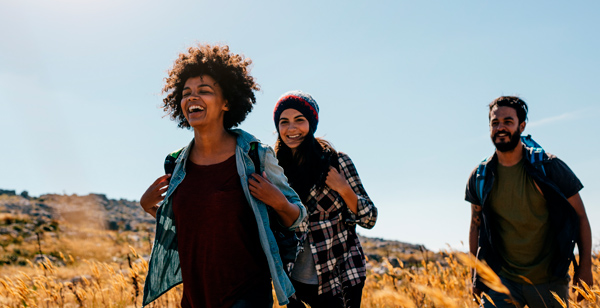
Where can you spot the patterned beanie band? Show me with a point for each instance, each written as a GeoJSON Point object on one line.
{"type": "Point", "coordinates": [300, 101]}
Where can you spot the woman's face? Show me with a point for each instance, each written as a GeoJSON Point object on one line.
{"type": "Point", "coordinates": [202, 102]}
{"type": "Point", "coordinates": [293, 128]}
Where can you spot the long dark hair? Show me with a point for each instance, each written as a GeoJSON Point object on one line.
{"type": "Point", "coordinates": [310, 164]}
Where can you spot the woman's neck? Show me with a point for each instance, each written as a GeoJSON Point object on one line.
{"type": "Point", "coordinates": [212, 146]}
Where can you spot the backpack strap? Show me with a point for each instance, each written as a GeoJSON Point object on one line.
{"type": "Point", "coordinates": [480, 178]}
{"type": "Point", "coordinates": [536, 152]}
{"type": "Point", "coordinates": [536, 156]}
{"type": "Point", "coordinates": [287, 240]}
{"type": "Point", "coordinates": [253, 153]}
{"type": "Point", "coordinates": [170, 161]}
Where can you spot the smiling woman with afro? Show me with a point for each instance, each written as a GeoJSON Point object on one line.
{"type": "Point", "coordinates": [230, 71]}
{"type": "Point", "coordinates": [212, 206]}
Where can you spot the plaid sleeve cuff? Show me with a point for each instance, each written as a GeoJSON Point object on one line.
{"type": "Point", "coordinates": [366, 215]}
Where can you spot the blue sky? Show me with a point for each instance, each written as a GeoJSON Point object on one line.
{"type": "Point", "coordinates": [402, 86]}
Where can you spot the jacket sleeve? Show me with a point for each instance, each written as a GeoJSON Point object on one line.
{"type": "Point", "coordinates": [278, 178]}
{"type": "Point", "coordinates": [366, 215]}
{"type": "Point", "coordinates": [561, 175]}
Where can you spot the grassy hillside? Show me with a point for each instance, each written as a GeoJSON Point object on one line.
{"type": "Point", "coordinates": [89, 251]}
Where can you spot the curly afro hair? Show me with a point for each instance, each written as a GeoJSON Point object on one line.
{"type": "Point", "coordinates": [230, 71]}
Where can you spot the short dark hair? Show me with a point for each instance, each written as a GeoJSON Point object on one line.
{"type": "Point", "coordinates": [230, 71]}
{"type": "Point", "coordinates": [513, 102]}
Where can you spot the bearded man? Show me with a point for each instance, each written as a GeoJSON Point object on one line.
{"type": "Point", "coordinates": [527, 215]}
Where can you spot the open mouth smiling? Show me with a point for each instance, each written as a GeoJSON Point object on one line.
{"type": "Point", "coordinates": [502, 134]}
{"type": "Point", "coordinates": [194, 109]}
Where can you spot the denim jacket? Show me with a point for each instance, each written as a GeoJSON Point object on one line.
{"type": "Point", "coordinates": [164, 269]}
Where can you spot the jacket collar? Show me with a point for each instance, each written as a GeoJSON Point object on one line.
{"type": "Point", "coordinates": [184, 153]}
{"type": "Point", "coordinates": [243, 140]}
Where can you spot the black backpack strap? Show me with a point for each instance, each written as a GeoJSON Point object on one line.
{"type": "Point", "coordinates": [287, 241]}
{"type": "Point", "coordinates": [170, 161]}
{"type": "Point", "coordinates": [253, 153]}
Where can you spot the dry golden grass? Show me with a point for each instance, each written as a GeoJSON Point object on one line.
{"type": "Point", "coordinates": [106, 269]}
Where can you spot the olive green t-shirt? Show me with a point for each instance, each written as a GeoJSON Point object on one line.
{"type": "Point", "coordinates": [522, 225]}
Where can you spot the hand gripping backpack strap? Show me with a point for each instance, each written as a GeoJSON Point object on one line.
{"type": "Point", "coordinates": [287, 241]}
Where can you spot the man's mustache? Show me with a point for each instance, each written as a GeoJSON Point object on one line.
{"type": "Point", "coordinates": [498, 133]}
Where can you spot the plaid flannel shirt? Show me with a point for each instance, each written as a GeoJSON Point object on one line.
{"type": "Point", "coordinates": [331, 232]}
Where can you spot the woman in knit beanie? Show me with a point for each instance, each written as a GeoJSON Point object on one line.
{"type": "Point", "coordinates": [330, 268]}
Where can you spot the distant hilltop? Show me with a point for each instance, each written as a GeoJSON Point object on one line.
{"type": "Point", "coordinates": [99, 212]}
{"type": "Point", "coordinates": [93, 210]}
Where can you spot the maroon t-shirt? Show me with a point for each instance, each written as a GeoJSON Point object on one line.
{"type": "Point", "coordinates": [217, 237]}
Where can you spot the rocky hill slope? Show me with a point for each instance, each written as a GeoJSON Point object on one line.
{"type": "Point", "coordinates": [90, 210]}
{"type": "Point", "coordinates": [23, 217]}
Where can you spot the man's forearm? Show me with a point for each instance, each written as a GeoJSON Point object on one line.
{"type": "Point", "coordinates": [473, 239]}
{"type": "Point", "coordinates": [474, 229]}
{"type": "Point", "coordinates": [584, 243]}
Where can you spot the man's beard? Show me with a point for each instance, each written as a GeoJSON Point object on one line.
{"type": "Point", "coordinates": [510, 145]}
